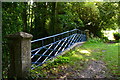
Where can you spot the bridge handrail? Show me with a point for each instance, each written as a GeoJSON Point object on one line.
{"type": "Point", "coordinates": [57, 44]}
{"type": "Point", "coordinates": [53, 35]}
{"type": "Point", "coordinates": [48, 44]}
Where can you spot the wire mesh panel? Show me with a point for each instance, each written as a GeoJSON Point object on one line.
{"type": "Point", "coordinates": [49, 47]}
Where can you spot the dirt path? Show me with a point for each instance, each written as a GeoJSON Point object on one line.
{"type": "Point", "coordinates": [94, 69]}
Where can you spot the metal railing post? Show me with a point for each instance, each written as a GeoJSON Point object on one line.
{"type": "Point", "coordinates": [87, 34]}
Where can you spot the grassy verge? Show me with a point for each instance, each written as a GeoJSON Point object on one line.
{"type": "Point", "coordinates": [77, 59]}
{"type": "Point", "coordinates": [107, 53]}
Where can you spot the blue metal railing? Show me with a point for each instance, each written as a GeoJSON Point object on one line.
{"type": "Point", "coordinates": [56, 44]}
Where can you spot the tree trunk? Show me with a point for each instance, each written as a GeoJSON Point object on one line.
{"type": "Point", "coordinates": [24, 17]}
{"type": "Point", "coordinates": [53, 18]}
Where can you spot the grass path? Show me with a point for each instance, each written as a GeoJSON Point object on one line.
{"type": "Point", "coordinates": [73, 62]}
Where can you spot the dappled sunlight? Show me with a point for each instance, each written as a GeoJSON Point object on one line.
{"type": "Point", "coordinates": [116, 44]}
{"type": "Point", "coordinates": [85, 52]}
{"type": "Point", "coordinates": [78, 56]}
{"type": "Point", "coordinates": [73, 52]}
{"type": "Point", "coordinates": [93, 59]}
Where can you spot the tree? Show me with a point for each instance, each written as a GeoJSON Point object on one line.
{"type": "Point", "coordinates": [108, 15]}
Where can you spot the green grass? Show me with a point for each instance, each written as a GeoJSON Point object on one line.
{"type": "Point", "coordinates": [107, 53]}
{"type": "Point", "coordinates": [78, 58]}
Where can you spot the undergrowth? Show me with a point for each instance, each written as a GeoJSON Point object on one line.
{"type": "Point", "coordinates": [94, 49]}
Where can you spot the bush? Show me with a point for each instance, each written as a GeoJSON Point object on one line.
{"type": "Point", "coordinates": [95, 40]}
{"type": "Point", "coordinates": [105, 39]}
{"type": "Point", "coordinates": [116, 36]}
{"type": "Point", "coordinates": [61, 60]}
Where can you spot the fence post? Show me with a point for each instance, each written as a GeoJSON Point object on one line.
{"type": "Point", "coordinates": [87, 34]}
{"type": "Point", "coordinates": [20, 55]}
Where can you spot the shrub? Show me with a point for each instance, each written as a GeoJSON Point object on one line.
{"type": "Point", "coordinates": [116, 36]}
{"type": "Point", "coordinates": [95, 40]}
{"type": "Point", "coordinates": [61, 60]}
{"type": "Point", "coordinates": [105, 39]}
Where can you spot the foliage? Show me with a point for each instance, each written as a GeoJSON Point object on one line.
{"type": "Point", "coordinates": [61, 60]}
{"type": "Point", "coordinates": [105, 39]}
{"type": "Point", "coordinates": [96, 40]}
{"type": "Point", "coordinates": [41, 71]}
{"type": "Point", "coordinates": [51, 18]}
{"type": "Point", "coordinates": [89, 14]}
{"type": "Point", "coordinates": [116, 36]}
{"type": "Point", "coordinates": [37, 73]}
{"type": "Point", "coordinates": [108, 15]}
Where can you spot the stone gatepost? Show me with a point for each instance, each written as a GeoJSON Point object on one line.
{"type": "Point", "coordinates": [20, 55]}
{"type": "Point", "coordinates": [87, 34]}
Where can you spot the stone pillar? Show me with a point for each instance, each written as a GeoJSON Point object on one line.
{"type": "Point", "coordinates": [87, 34]}
{"type": "Point", "coordinates": [20, 55]}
